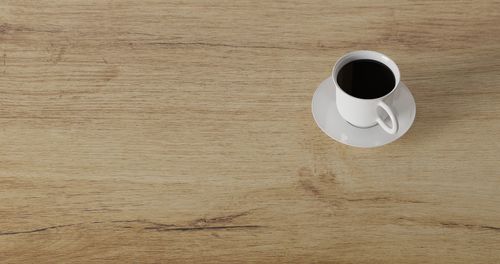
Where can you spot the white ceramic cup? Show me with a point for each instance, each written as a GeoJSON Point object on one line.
{"type": "Point", "coordinates": [367, 112]}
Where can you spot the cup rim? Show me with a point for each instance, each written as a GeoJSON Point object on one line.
{"type": "Point", "coordinates": [380, 57]}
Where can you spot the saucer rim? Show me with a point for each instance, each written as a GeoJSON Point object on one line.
{"type": "Point", "coordinates": [396, 136]}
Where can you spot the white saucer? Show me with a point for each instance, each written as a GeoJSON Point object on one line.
{"type": "Point", "coordinates": [324, 110]}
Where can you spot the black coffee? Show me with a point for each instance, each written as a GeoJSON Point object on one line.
{"type": "Point", "coordinates": [366, 79]}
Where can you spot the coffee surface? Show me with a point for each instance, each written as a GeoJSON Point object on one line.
{"type": "Point", "coordinates": [366, 79]}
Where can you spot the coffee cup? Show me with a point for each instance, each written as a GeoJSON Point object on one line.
{"type": "Point", "coordinates": [365, 83]}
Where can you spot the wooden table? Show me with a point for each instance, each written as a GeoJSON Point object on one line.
{"type": "Point", "coordinates": [181, 131]}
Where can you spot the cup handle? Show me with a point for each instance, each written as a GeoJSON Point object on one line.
{"type": "Point", "coordinates": [394, 128]}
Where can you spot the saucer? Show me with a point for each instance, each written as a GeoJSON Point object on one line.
{"type": "Point", "coordinates": [326, 115]}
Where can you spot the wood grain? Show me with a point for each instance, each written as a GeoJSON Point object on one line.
{"type": "Point", "coordinates": [180, 131]}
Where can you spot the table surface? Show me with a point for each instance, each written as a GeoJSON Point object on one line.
{"type": "Point", "coordinates": [181, 131]}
